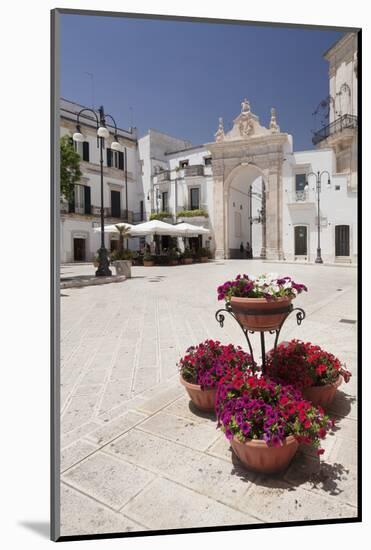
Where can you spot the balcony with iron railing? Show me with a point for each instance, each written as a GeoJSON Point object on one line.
{"type": "Point", "coordinates": [82, 209]}
{"type": "Point", "coordinates": [301, 199]}
{"type": "Point", "coordinates": [189, 213]}
{"type": "Point", "coordinates": [194, 170]}
{"type": "Point", "coordinates": [342, 123]}
{"type": "Point", "coordinates": [163, 176]}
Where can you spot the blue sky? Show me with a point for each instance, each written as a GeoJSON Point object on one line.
{"type": "Point", "coordinates": [179, 77]}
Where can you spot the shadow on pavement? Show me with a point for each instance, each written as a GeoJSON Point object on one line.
{"type": "Point", "coordinates": [302, 470]}
{"type": "Point", "coordinates": [341, 405]}
{"type": "Point", "coordinates": [201, 414]}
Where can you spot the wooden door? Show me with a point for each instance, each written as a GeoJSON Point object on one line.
{"type": "Point", "coordinates": [79, 250]}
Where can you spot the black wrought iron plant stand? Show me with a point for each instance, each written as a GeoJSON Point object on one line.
{"type": "Point", "coordinates": [287, 310]}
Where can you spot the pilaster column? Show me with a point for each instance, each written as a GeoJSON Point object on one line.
{"type": "Point", "coordinates": [219, 223]}
{"type": "Point", "coordinates": [274, 216]}
{"type": "Point", "coordinates": [263, 251]}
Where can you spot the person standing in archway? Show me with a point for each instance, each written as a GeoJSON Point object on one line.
{"type": "Point", "coordinates": [248, 251]}
{"type": "Point", "coordinates": [241, 250]}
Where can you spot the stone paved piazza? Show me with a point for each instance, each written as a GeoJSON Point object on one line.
{"type": "Point", "coordinates": [135, 454]}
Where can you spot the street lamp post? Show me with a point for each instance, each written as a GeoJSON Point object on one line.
{"type": "Point", "coordinates": [318, 175]}
{"type": "Point", "coordinates": [102, 134]}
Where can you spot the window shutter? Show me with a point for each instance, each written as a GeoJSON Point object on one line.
{"type": "Point", "coordinates": [87, 199]}
{"type": "Point", "coordinates": [109, 157]}
{"type": "Point", "coordinates": [71, 204]}
{"type": "Point", "coordinates": [85, 151]}
{"type": "Point", "coordinates": [121, 160]}
{"type": "Point", "coordinates": [115, 204]}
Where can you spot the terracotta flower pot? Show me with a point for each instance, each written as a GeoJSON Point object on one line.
{"type": "Point", "coordinates": [148, 263]}
{"type": "Point", "coordinates": [256, 455]}
{"type": "Point", "coordinates": [203, 399]}
{"type": "Point", "coordinates": [260, 314]}
{"type": "Point", "coordinates": [188, 260]}
{"type": "Point", "coordinates": [204, 259]}
{"type": "Point", "coordinates": [322, 395]}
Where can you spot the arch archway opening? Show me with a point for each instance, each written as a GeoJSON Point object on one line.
{"type": "Point", "coordinates": [245, 213]}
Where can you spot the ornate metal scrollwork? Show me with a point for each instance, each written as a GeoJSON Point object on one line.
{"type": "Point", "coordinates": [220, 317]}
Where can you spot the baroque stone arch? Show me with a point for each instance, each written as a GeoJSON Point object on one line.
{"type": "Point", "coordinates": [251, 149]}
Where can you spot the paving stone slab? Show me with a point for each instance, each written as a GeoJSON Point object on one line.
{"type": "Point", "coordinates": [331, 479]}
{"type": "Point", "coordinates": [345, 427]}
{"type": "Point", "coordinates": [78, 433]}
{"type": "Point", "coordinates": [115, 392]}
{"type": "Point", "coordinates": [113, 429]}
{"type": "Point", "coordinates": [112, 413]}
{"type": "Point", "coordinates": [88, 389]}
{"type": "Point", "coordinates": [205, 474]}
{"type": "Point", "coordinates": [192, 433]}
{"type": "Point", "coordinates": [75, 452]}
{"type": "Point", "coordinates": [145, 378]}
{"type": "Point", "coordinates": [221, 448]}
{"type": "Point", "coordinates": [79, 410]}
{"type": "Point", "coordinates": [110, 481]}
{"type": "Point", "coordinates": [160, 399]}
{"type": "Point", "coordinates": [184, 408]}
{"type": "Point", "coordinates": [94, 376]}
{"type": "Point", "coordinates": [167, 505]}
{"type": "Point", "coordinates": [344, 452]}
{"type": "Point", "coordinates": [273, 500]}
{"type": "Point", "coordinates": [81, 515]}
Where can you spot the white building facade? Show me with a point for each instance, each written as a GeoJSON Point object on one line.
{"type": "Point", "coordinates": [248, 186]}
{"type": "Point", "coordinates": [123, 194]}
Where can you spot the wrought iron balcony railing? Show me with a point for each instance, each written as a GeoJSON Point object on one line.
{"type": "Point", "coordinates": [163, 176]}
{"type": "Point", "coordinates": [194, 170]}
{"type": "Point", "coordinates": [338, 125]}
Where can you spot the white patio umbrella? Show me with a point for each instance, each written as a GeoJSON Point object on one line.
{"type": "Point", "coordinates": [188, 229]}
{"type": "Point", "coordinates": [155, 227]}
{"type": "Point", "coordinates": [113, 229]}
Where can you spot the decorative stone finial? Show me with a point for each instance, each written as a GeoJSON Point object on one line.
{"type": "Point", "coordinates": [245, 106]}
{"type": "Point", "coordinates": [219, 136]}
{"type": "Point", "coordinates": [273, 126]}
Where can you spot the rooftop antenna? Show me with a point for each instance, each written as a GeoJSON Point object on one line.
{"type": "Point", "coordinates": [92, 88]}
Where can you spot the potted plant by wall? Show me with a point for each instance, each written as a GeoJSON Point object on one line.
{"type": "Point", "coordinates": [187, 256]}
{"type": "Point", "coordinates": [148, 259]}
{"type": "Point", "coordinates": [173, 256]}
{"type": "Point", "coordinates": [203, 255]}
{"type": "Point", "coordinates": [265, 421]}
{"type": "Point", "coordinates": [137, 258]}
{"type": "Point", "coordinates": [260, 303]}
{"type": "Point", "coordinates": [204, 365]}
{"type": "Point", "coordinates": [314, 371]}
